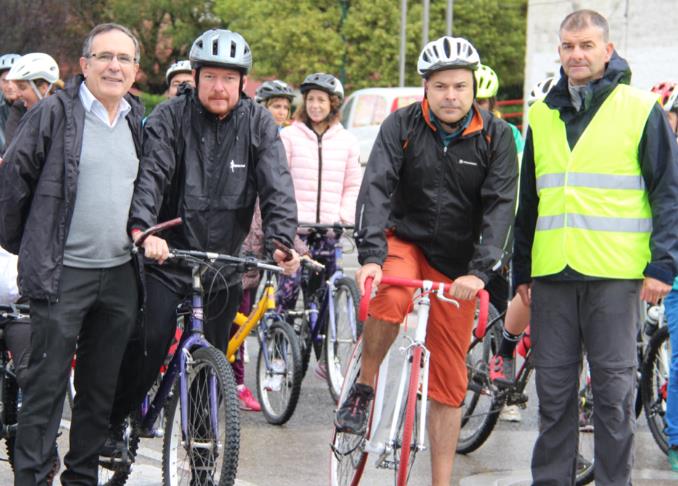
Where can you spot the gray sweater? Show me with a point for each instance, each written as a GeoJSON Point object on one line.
{"type": "Point", "coordinates": [97, 237]}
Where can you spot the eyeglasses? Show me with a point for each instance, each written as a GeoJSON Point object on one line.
{"type": "Point", "coordinates": [107, 58]}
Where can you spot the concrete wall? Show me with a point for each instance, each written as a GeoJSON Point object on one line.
{"type": "Point", "coordinates": [644, 32]}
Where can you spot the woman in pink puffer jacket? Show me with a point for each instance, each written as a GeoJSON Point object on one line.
{"type": "Point", "coordinates": [322, 155]}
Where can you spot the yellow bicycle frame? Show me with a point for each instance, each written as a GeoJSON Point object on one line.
{"type": "Point", "coordinates": [247, 323]}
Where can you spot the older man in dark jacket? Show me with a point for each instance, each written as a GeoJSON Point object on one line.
{"type": "Point", "coordinates": [67, 183]}
{"type": "Point", "coordinates": [207, 155]}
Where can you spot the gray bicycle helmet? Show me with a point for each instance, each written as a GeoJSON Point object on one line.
{"type": "Point", "coordinates": [178, 67]}
{"type": "Point", "coordinates": [447, 53]}
{"type": "Point", "coordinates": [323, 82]}
{"type": "Point", "coordinates": [221, 48]}
{"type": "Point", "coordinates": [273, 89]}
{"type": "Point", "coordinates": [7, 61]}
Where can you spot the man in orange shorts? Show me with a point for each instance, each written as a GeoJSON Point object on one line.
{"type": "Point", "coordinates": [441, 179]}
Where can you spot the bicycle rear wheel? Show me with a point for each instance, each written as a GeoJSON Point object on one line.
{"type": "Point", "coordinates": [340, 341]}
{"type": "Point", "coordinates": [482, 405]}
{"type": "Point", "coordinates": [278, 371]}
{"type": "Point", "coordinates": [208, 452]}
{"type": "Point", "coordinates": [348, 456]}
{"type": "Point", "coordinates": [654, 385]}
{"type": "Point", "coordinates": [408, 437]}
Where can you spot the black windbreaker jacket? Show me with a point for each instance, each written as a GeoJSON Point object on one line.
{"type": "Point", "coordinates": [658, 158]}
{"type": "Point", "coordinates": [38, 186]}
{"type": "Point", "coordinates": [210, 172]}
{"type": "Point", "coordinates": [456, 203]}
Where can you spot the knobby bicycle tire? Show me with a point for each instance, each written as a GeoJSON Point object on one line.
{"type": "Point", "coordinates": [478, 422]}
{"type": "Point", "coordinates": [403, 463]}
{"type": "Point", "coordinates": [335, 351]}
{"type": "Point", "coordinates": [654, 378]}
{"type": "Point", "coordinates": [348, 457]}
{"type": "Point", "coordinates": [228, 413]}
{"type": "Point", "coordinates": [281, 344]}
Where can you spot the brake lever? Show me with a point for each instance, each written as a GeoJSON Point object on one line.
{"type": "Point", "coordinates": [440, 293]}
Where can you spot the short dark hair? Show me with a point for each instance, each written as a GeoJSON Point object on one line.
{"type": "Point", "coordinates": [301, 115]}
{"type": "Point", "coordinates": [103, 28]}
{"type": "Point", "coordinates": [581, 19]}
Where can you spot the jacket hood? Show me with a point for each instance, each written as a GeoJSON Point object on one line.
{"type": "Point", "coordinates": [617, 71]}
{"type": "Point", "coordinates": [72, 90]}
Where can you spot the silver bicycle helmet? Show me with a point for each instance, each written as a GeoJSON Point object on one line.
{"type": "Point", "coordinates": [7, 61]}
{"type": "Point", "coordinates": [447, 53]}
{"type": "Point", "coordinates": [540, 90]}
{"type": "Point", "coordinates": [178, 67]}
{"type": "Point", "coordinates": [273, 89]}
{"type": "Point", "coordinates": [324, 82]}
{"type": "Point", "coordinates": [221, 48]}
{"type": "Point", "coordinates": [34, 66]}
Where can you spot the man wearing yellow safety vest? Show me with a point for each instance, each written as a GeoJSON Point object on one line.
{"type": "Point", "coordinates": [595, 231]}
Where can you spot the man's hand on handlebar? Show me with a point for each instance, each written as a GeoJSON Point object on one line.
{"type": "Point", "coordinates": [368, 270]}
{"type": "Point", "coordinates": [154, 248]}
{"type": "Point", "coordinates": [466, 287]}
{"type": "Point", "coordinates": [289, 265]}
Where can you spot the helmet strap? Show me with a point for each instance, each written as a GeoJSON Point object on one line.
{"type": "Point", "coordinates": [37, 91]}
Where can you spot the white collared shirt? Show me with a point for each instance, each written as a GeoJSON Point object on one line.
{"type": "Point", "coordinates": [97, 108]}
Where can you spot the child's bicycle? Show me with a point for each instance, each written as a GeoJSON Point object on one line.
{"type": "Point", "coordinates": [201, 437]}
{"type": "Point", "coordinates": [406, 432]}
{"type": "Point", "coordinates": [279, 372]}
{"type": "Point", "coordinates": [328, 322]}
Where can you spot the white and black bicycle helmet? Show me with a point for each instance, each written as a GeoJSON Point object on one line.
{"type": "Point", "coordinates": [324, 82]}
{"type": "Point", "coordinates": [273, 89]}
{"type": "Point", "coordinates": [447, 53]}
{"type": "Point", "coordinates": [176, 68]}
{"type": "Point", "coordinates": [7, 60]}
{"type": "Point", "coordinates": [221, 48]}
{"type": "Point", "coordinates": [540, 90]}
{"type": "Point", "coordinates": [34, 66]}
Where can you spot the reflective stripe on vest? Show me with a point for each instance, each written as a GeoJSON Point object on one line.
{"type": "Point", "coordinates": [594, 213]}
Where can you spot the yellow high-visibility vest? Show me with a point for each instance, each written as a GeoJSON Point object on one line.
{"type": "Point", "coordinates": [594, 214]}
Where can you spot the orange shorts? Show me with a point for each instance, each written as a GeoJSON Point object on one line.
{"type": "Point", "coordinates": [448, 334]}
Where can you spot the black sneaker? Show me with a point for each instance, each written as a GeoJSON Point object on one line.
{"type": "Point", "coordinates": [114, 449]}
{"type": "Point", "coordinates": [352, 415]}
{"type": "Point", "coordinates": [502, 370]}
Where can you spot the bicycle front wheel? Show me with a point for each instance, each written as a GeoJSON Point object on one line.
{"type": "Point", "coordinates": [279, 371]}
{"type": "Point", "coordinates": [348, 458]}
{"type": "Point", "coordinates": [654, 382]}
{"type": "Point", "coordinates": [204, 450]}
{"type": "Point", "coordinates": [342, 334]}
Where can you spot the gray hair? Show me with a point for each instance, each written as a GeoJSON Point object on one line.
{"type": "Point", "coordinates": [581, 19]}
{"type": "Point", "coordinates": [103, 28]}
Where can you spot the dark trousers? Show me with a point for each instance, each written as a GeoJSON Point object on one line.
{"type": "Point", "coordinates": [97, 310]}
{"type": "Point", "coordinates": [603, 316]}
{"type": "Point", "coordinates": [140, 368]}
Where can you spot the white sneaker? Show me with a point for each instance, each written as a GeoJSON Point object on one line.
{"type": "Point", "coordinates": [510, 413]}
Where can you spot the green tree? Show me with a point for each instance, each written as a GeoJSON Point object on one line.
{"type": "Point", "coordinates": [289, 38]}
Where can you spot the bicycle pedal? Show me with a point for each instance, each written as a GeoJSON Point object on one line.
{"type": "Point", "coordinates": [517, 399]}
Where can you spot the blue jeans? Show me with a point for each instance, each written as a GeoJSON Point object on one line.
{"type": "Point", "coordinates": [671, 310]}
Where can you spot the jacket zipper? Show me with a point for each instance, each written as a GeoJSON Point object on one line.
{"type": "Point", "coordinates": [320, 178]}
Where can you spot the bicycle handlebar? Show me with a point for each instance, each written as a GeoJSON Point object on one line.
{"type": "Point", "coordinates": [406, 282]}
{"type": "Point", "coordinates": [246, 262]}
{"type": "Point", "coordinates": [156, 229]}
